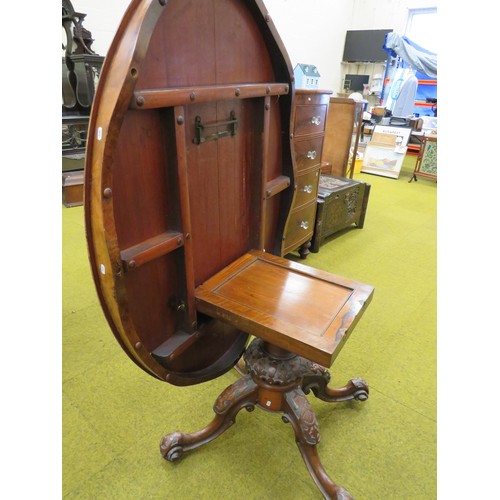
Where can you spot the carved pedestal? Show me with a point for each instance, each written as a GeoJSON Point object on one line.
{"type": "Point", "coordinates": [276, 380]}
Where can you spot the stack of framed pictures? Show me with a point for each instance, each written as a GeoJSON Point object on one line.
{"type": "Point", "coordinates": [385, 153]}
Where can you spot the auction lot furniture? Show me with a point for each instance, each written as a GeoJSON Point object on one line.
{"type": "Point", "coordinates": [193, 164]}
{"type": "Point", "coordinates": [311, 108]}
{"type": "Point", "coordinates": [342, 133]}
{"type": "Point", "coordinates": [342, 202]}
{"type": "Point", "coordinates": [426, 164]}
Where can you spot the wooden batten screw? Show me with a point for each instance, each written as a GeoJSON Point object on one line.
{"type": "Point", "coordinates": [140, 101]}
{"type": "Point", "coordinates": [180, 120]}
{"type": "Point", "coordinates": [138, 345]}
{"type": "Point", "coordinates": [268, 18]}
{"type": "Point", "coordinates": [131, 264]}
{"type": "Point", "coordinates": [237, 92]}
{"type": "Point", "coordinates": [267, 106]}
{"type": "Point", "coordinates": [107, 193]}
{"type": "Point", "coordinates": [188, 235]}
{"type": "Point", "coordinates": [192, 96]}
{"type": "Point", "coordinates": [268, 90]}
{"type": "Point", "coordinates": [179, 241]}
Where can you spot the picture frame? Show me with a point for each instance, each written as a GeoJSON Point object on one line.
{"type": "Point", "coordinates": [385, 153]}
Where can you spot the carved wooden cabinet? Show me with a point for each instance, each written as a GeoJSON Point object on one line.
{"type": "Point", "coordinates": [309, 118]}
{"type": "Point", "coordinates": [342, 202]}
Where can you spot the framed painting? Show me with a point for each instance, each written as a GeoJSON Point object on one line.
{"type": "Point", "coordinates": [386, 151]}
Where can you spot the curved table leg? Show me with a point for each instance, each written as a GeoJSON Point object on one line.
{"type": "Point", "coordinates": [242, 394]}
{"type": "Point", "coordinates": [300, 414]}
{"type": "Point", "coordinates": [317, 380]}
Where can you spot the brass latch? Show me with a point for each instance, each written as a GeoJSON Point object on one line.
{"type": "Point", "coordinates": [199, 138]}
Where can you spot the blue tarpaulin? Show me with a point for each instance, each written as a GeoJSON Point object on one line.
{"type": "Point", "coordinates": [412, 54]}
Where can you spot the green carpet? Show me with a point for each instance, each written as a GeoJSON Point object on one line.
{"type": "Point", "coordinates": [114, 414]}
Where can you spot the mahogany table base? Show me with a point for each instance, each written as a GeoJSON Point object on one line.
{"type": "Point", "coordinates": [277, 381]}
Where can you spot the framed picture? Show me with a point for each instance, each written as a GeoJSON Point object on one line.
{"type": "Point", "coordinates": [426, 164]}
{"type": "Point", "coordinates": [386, 151]}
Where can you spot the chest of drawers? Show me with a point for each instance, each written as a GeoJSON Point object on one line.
{"type": "Point", "coordinates": [309, 117]}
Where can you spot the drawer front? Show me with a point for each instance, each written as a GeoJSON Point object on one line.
{"type": "Point", "coordinates": [308, 153]}
{"type": "Point", "coordinates": [310, 120]}
{"type": "Point", "coordinates": [300, 227]}
{"type": "Point", "coordinates": [310, 98]}
{"type": "Point", "coordinates": [307, 188]}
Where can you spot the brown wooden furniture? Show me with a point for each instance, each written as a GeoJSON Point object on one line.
{"type": "Point", "coordinates": [342, 202]}
{"type": "Point", "coordinates": [426, 164]}
{"type": "Point", "coordinates": [72, 188]}
{"type": "Point", "coordinates": [80, 71]}
{"type": "Point", "coordinates": [309, 117]}
{"type": "Point", "coordinates": [197, 141]}
{"type": "Point", "coordinates": [342, 131]}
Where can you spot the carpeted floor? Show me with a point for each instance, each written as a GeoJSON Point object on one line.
{"type": "Point", "coordinates": [114, 414]}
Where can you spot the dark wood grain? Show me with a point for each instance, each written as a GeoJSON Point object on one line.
{"type": "Point", "coordinates": [163, 214]}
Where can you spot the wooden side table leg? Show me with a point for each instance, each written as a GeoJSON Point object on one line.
{"type": "Point", "coordinates": [317, 379]}
{"type": "Point", "coordinates": [300, 414]}
{"type": "Point", "coordinates": [242, 394]}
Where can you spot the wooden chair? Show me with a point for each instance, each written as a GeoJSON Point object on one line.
{"type": "Point", "coordinates": [198, 147]}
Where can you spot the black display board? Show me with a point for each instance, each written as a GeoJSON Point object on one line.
{"type": "Point", "coordinates": [365, 46]}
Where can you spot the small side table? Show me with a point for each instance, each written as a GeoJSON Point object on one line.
{"type": "Point", "coordinates": [341, 203]}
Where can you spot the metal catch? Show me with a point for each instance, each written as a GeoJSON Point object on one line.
{"type": "Point", "coordinates": [199, 138]}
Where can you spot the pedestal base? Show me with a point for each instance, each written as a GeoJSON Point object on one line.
{"type": "Point", "coordinates": [277, 380]}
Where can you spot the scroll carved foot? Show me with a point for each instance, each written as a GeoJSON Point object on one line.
{"type": "Point", "coordinates": [318, 378]}
{"type": "Point", "coordinates": [242, 394]}
{"type": "Point", "coordinates": [300, 414]}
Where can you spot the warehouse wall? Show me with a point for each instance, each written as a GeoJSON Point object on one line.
{"type": "Point", "coordinates": [313, 32]}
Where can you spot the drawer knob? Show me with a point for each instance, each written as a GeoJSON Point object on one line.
{"type": "Point", "coordinates": [311, 154]}
{"type": "Point", "coordinates": [304, 224]}
{"type": "Point", "coordinates": [316, 120]}
{"type": "Point", "coordinates": [308, 188]}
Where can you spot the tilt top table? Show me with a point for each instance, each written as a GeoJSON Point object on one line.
{"type": "Point", "coordinates": [201, 173]}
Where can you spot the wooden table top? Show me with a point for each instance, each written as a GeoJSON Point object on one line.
{"type": "Point", "coordinates": [298, 308]}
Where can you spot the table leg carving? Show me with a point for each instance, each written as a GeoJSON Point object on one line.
{"type": "Point", "coordinates": [281, 379]}
{"type": "Point", "coordinates": [318, 378]}
{"type": "Point", "coordinates": [242, 394]}
{"type": "Point", "coordinates": [299, 413]}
